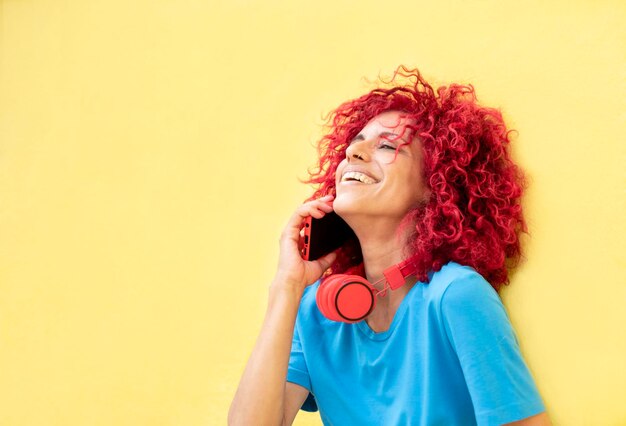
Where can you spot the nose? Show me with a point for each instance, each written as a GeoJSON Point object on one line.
{"type": "Point", "coordinates": [357, 150]}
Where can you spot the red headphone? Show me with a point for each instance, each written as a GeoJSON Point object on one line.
{"type": "Point", "coordinates": [351, 298]}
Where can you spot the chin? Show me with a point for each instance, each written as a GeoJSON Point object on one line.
{"type": "Point", "coordinates": [346, 207]}
{"type": "Point", "coordinates": [340, 208]}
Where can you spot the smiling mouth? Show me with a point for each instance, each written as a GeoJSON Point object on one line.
{"type": "Point", "coordinates": [357, 177]}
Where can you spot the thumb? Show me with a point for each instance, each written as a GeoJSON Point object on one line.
{"type": "Point", "coordinates": [327, 260]}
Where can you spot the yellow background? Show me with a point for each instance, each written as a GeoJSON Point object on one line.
{"type": "Point", "coordinates": [149, 157]}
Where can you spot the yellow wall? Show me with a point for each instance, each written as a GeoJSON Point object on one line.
{"type": "Point", "coordinates": [149, 156]}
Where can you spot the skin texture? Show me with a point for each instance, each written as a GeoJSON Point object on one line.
{"type": "Point", "coordinates": [538, 420]}
{"type": "Point", "coordinates": [401, 184]}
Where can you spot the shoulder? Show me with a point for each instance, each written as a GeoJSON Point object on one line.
{"type": "Point", "coordinates": [455, 283]}
{"type": "Point", "coordinates": [459, 294]}
{"type": "Point", "coordinates": [470, 310]}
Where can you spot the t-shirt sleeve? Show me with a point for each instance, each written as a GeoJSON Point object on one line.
{"type": "Point", "coordinates": [499, 382]}
{"type": "Point", "coordinates": [298, 373]}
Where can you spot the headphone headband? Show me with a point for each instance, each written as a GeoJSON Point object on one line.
{"type": "Point", "coordinates": [396, 274]}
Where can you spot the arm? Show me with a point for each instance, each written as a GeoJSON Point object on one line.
{"type": "Point", "coordinates": [263, 392]}
{"type": "Point", "coordinates": [538, 420]}
{"type": "Point", "coordinates": [263, 396]}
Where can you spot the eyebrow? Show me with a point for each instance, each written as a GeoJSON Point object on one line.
{"type": "Point", "coordinates": [360, 136]}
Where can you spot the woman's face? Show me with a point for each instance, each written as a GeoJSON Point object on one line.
{"type": "Point", "coordinates": [369, 181]}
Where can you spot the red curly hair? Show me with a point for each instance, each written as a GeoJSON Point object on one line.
{"type": "Point", "coordinates": [474, 215]}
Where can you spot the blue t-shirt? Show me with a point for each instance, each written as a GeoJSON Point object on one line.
{"type": "Point", "coordinates": [450, 357]}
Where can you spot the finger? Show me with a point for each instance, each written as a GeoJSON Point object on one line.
{"type": "Point", "coordinates": [317, 214]}
{"type": "Point", "coordinates": [327, 199]}
{"type": "Point", "coordinates": [318, 205]}
{"type": "Point", "coordinates": [327, 260]}
{"type": "Point", "coordinates": [295, 222]}
{"type": "Point", "coordinates": [316, 208]}
{"type": "Point", "coordinates": [325, 207]}
{"type": "Point", "coordinates": [303, 212]}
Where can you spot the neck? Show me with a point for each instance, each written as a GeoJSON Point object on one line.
{"type": "Point", "coordinates": [382, 247]}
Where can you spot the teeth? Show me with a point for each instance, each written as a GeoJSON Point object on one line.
{"type": "Point", "coordinates": [357, 176]}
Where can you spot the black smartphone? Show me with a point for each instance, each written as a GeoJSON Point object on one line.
{"type": "Point", "coordinates": [321, 236]}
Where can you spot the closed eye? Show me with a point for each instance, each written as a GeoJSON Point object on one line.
{"type": "Point", "coordinates": [386, 146]}
{"type": "Point", "coordinates": [387, 140]}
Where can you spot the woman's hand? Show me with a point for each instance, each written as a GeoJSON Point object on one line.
{"type": "Point", "coordinates": [293, 271]}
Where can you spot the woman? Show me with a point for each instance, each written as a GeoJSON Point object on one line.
{"type": "Point", "coordinates": [422, 177]}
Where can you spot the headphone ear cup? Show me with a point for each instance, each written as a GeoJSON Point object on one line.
{"type": "Point", "coordinates": [346, 298]}
{"type": "Point", "coordinates": [355, 299]}
{"type": "Point", "coordinates": [331, 295]}
{"type": "Point", "coordinates": [325, 296]}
